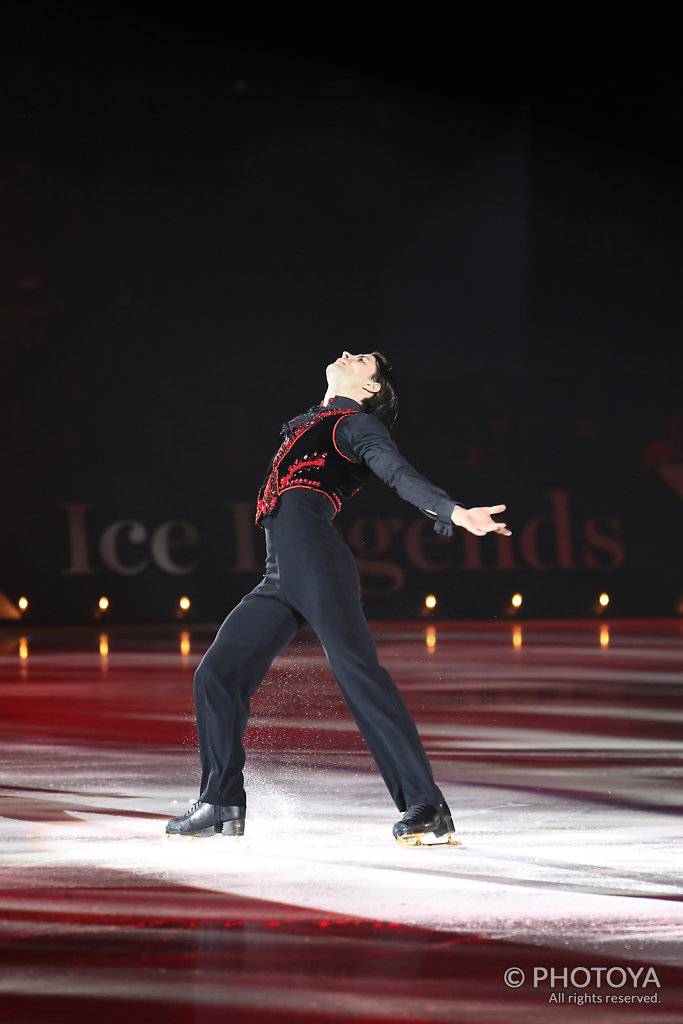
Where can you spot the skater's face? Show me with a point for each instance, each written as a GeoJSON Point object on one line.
{"type": "Point", "coordinates": [351, 376]}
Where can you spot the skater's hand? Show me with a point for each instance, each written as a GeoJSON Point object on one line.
{"type": "Point", "coordinates": [478, 520]}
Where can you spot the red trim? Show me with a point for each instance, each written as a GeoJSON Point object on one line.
{"type": "Point", "coordinates": [353, 412]}
{"type": "Point", "coordinates": [318, 490]}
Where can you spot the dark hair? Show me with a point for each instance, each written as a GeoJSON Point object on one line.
{"type": "Point", "coordinates": [384, 404]}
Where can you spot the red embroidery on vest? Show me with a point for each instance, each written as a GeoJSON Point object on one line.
{"type": "Point", "coordinates": [274, 486]}
{"type": "Point", "coordinates": [296, 467]}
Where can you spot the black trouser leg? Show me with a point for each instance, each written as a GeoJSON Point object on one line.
{"type": "Point", "coordinates": [229, 673]}
{"type": "Point", "coordinates": [324, 587]}
{"type": "Point", "coordinates": [377, 707]}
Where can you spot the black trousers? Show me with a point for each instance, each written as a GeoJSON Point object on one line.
{"type": "Point", "coordinates": [311, 576]}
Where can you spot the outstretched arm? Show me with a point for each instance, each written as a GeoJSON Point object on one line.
{"type": "Point", "coordinates": [479, 521]}
{"type": "Point", "coordinates": [364, 438]}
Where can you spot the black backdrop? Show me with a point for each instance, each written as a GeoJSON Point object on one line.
{"type": "Point", "coordinates": [202, 208]}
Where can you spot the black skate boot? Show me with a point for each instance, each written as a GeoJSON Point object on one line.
{"type": "Point", "coordinates": [425, 825]}
{"type": "Point", "coordinates": [208, 820]}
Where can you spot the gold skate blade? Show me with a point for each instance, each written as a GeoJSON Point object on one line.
{"type": "Point", "coordinates": [173, 836]}
{"type": "Point", "coordinates": [226, 838]}
{"type": "Point", "coordinates": [427, 840]}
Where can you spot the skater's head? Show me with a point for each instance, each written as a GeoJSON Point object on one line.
{"type": "Point", "coordinates": [383, 403]}
{"type": "Point", "coordinates": [367, 378]}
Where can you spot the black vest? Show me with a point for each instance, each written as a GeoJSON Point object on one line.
{"type": "Point", "coordinates": [309, 457]}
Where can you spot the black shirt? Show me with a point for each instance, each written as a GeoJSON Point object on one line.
{"type": "Point", "coordinates": [365, 439]}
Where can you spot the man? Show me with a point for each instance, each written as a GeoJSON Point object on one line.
{"type": "Point", "coordinates": [311, 576]}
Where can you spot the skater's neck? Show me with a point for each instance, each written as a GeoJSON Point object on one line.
{"type": "Point", "coordinates": [339, 401]}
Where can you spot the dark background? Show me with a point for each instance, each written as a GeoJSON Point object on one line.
{"type": "Point", "coordinates": [202, 205]}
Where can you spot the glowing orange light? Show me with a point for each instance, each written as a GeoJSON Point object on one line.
{"type": "Point", "coordinates": [23, 603]}
{"type": "Point", "coordinates": [430, 601]}
{"type": "Point", "coordinates": [604, 600]}
{"type": "Point", "coordinates": [23, 648]}
{"type": "Point", "coordinates": [516, 600]}
{"type": "Point", "coordinates": [604, 636]}
{"type": "Point", "coordinates": [184, 643]}
{"type": "Point", "coordinates": [184, 603]}
{"type": "Point", "coordinates": [104, 645]}
{"type": "Point", "coordinates": [516, 636]}
{"type": "Point", "coordinates": [430, 638]}
{"type": "Point", "coordinates": [103, 603]}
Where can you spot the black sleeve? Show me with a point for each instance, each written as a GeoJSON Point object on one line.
{"type": "Point", "coordinates": [363, 438]}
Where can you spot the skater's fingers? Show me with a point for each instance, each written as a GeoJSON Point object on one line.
{"type": "Point", "coordinates": [495, 509]}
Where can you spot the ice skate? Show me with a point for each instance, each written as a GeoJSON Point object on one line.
{"type": "Point", "coordinates": [425, 825]}
{"type": "Point", "coordinates": [204, 819]}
